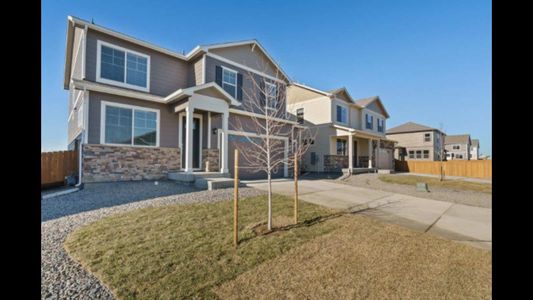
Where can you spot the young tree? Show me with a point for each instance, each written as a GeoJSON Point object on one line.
{"type": "Point", "coordinates": [271, 143]}
{"type": "Point", "coordinates": [442, 151]}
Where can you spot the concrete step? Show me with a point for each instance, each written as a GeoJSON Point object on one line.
{"type": "Point", "coordinates": [181, 177]}
{"type": "Point", "coordinates": [211, 175]}
{"type": "Point", "coordinates": [215, 183]}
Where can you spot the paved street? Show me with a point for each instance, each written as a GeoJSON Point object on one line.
{"type": "Point", "coordinates": [467, 224]}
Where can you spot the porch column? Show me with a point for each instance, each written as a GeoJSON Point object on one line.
{"type": "Point", "coordinates": [370, 153]}
{"type": "Point", "coordinates": [189, 111]}
{"type": "Point", "coordinates": [350, 153]}
{"type": "Point", "coordinates": [377, 154]}
{"type": "Point", "coordinates": [224, 155]}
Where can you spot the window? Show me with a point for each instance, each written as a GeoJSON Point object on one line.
{"type": "Point", "coordinates": [300, 115]}
{"type": "Point", "coordinates": [341, 147]}
{"type": "Point", "coordinates": [426, 153]}
{"type": "Point", "coordinates": [456, 147]}
{"type": "Point", "coordinates": [123, 67]}
{"type": "Point", "coordinates": [418, 154]}
{"type": "Point", "coordinates": [229, 81]}
{"type": "Point", "coordinates": [459, 156]}
{"type": "Point", "coordinates": [80, 115]}
{"type": "Point", "coordinates": [427, 137]}
{"type": "Point", "coordinates": [129, 125]}
{"type": "Point", "coordinates": [342, 114]}
{"type": "Point", "coordinates": [369, 121]}
{"type": "Point", "coordinates": [381, 125]}
{"type": "Point", "coordinates": [271, 93]}
{"type": "Point", "coordinates": [411, 154]}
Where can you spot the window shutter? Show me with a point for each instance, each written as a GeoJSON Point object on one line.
{"type": "Point", "coordinates": [218, 75]}
{"type": "Point", "coordinates": [239, 86]}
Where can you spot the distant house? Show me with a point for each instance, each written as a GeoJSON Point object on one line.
{"type": "Point", "coordinates": [474, 150]}
{"type": "Point", "coordinates": [417, 142]}
{"type": "Point", "coordinates": [457, 146]}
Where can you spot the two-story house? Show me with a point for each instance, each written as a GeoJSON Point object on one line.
{"type": "Point", "coordinates": [457, 146]}
{"type": "Point", "coordinates": [139, 111]}
{"type": "Point", "coordinates": [417, 142]}
{"type": "Point", "coordinates": [350, 134]}
{"type": "Point", "coordinates": [474, 150]}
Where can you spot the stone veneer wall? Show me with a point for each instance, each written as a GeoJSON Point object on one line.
{"type": "Point", "coordinates": [211, 155]}
{"type": "Point", "coordinates": [335, 163]}
{"type": "Point", "coordinates": [123, 163]}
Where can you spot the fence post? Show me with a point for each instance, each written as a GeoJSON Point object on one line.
{"type": "Point", "coordinates": [236, 199]}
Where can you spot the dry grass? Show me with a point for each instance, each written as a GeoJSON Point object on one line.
{"type": "Point", "coordinates": [371, 260]}
{"type": "Point", "coordinates": [435, 182]}
{"type": "Point", "coordinates": [185, 251]}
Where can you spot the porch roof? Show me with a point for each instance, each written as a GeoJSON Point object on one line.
{"type": "Point", "coordinates": [211, 86]}
{"type": "Point", "coordinates": [362, 133]}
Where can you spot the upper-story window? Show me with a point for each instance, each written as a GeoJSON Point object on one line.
{"type": "Point", "coordinates": [300, 115]}
{"type": "Point", "coordinates": [122, 67]}
{"type": "Point", "coordinates": [381, 125]}
{"type": "Point", "coordinates": [229, 81]}
{"type": "Point", "coordinates": [427, 137]}
{"type": "Point", "coordinates": [342, 114]}
{"type": "Point", "coordinates": [271, 95]}
{"type": "Point", "coordinates": [369, 121]}
{"type": "Point", "coordinates": [456, 147]}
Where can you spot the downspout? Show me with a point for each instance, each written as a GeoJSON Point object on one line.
{"type": "Point", "coordinates": [80, 153]}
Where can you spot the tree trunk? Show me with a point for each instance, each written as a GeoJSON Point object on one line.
{"type": "Point", "coordinates": [269, 222]}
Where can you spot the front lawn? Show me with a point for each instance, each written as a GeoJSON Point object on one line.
{"type": "Point", "coordinates": [435, 182]}
{"type": "Point", "coordinates": [186, 251]}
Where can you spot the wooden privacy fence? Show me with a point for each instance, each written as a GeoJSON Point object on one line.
{"type": "Point", "coordinates": [56, 165]}
{"type": "Point", "coordinates": [463, 168]}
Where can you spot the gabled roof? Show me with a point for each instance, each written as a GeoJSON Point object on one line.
{"type": "Point", "coordinates": [365, 102]}
{"type": "Point", "coordinates": [475, 142]}
{"type": "Point", "coordinates": [409, 127]}
{"type": "Point", "coordinates": [183, 93]}
{"type": "Point", "coordinates": [190, 55]}
{"type": "Point", "coordinates": [456, 139]}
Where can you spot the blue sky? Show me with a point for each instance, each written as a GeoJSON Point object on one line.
{"type": "Point", "coordinates": [429, 61]}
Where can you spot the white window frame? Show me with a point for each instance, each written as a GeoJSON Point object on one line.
{"type": "Point", "coordinates": [267, 96]}
{"type": "Point", "coordinates": [105, 104]}
{"type": "Point", "coordinates": [228, 83]}
{"type": "Point", "coordinates": [347, 114]}
{"type": "Point", "coordinates": [428, 135]}
{"type": "Point", "coordinates": [99, 44]}
{"type": "Point", "coordinates": [371, 117]}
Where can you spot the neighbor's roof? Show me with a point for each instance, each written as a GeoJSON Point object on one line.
{"type": "Point", "coordinates": [409, 127]}
{"type": "Point", "coordinates": [475, 142]}
{"type": "Point", "coordinates": [457, 139]}
{"type": "Point", "coordinates": [192, 54]}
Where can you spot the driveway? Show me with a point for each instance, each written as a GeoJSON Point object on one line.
{"type": "Point", "coordinates": [467, 224]}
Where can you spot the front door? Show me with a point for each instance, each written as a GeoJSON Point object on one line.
{"type": "Point", "coordinates": [195, 141]}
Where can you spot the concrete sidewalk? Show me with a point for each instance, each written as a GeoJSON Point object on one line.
{"type": "Point", "coordinates": [468, 224]}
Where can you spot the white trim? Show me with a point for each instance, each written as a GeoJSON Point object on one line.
{"type": "Point", "coordinates": [208, 130]}
{"type": "Point", "coordinates": [283, 138]}
{"type": "Point", "coordinates": [347, 114]}
{"type": "Point", "coordinates": [180, 145]}
{"type": "Point", "coordinates": [228, 83]}
{"type": "Point", "coordinates": [252, 114]}
{"type": "Point", "coordinates": [98, 87]}
{"type": "Point", "coordinates": [103, 106]}
{"type": "Point", "coordinates": [99, 44]}
{"type": "Point", "coordinates": [86, 117]}
{"type": "Point", "coordinates": [236, 64]}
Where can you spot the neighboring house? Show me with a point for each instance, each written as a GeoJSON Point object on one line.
{"type": "Point", "coordinates": [474, 150]}
{"type": "Point", "coordinates": [349, 133]}
{"type": "Point", "coordinates": [139, 111]}
{"type": "Point", "coordinates": [457, 146]}
{"type": "Point", "coordinates": [417, 142]}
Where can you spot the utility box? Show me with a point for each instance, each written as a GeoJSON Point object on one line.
{"type": "Point", "coordinates": [422, 187]}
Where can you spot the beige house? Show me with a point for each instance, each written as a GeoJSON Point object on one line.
{"type": "Point", "coordinates": [350, 134]}
{"type": "Point", "coordinates": [417, 142]}
{"type": "Point", "coordinates": [458, 146]}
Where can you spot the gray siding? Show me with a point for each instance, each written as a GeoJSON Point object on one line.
{"type": "Point", "coordinates": [167, 73]}
{"type": "Point", "coordinates": [77, 54]}
{"type": "Point", "coordinates": [195, 75]}
{"type": "Point", "coordinates": [247, 85]}
{"type": "Point", "coordinates": [168, 136]}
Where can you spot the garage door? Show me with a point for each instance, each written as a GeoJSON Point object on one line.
{"type": "Point", "coordinates": [385, 159]}
{"type": "Point", "coordinates": [245, 172]}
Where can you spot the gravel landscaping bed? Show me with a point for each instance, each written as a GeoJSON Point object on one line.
{"type": "Point", "coordinates": [471, 198]}
{"type": "Point", "coordinates": [63, 278]}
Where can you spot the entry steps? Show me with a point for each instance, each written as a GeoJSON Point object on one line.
{"type": "Point", "coordinates": [204, 180]}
